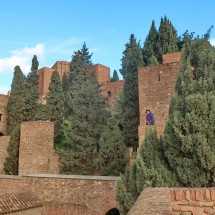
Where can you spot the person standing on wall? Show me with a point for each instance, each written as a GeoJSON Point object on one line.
{"type": "Point", "coordinates": [149, 118]}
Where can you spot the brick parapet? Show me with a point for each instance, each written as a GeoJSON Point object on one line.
{"type": "Point", "coordinates": [175, 201]}
{"type": "Point", "coordinates": [195, 201]}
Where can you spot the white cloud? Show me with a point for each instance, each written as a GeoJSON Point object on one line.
{"type": "Point", "coordinates": [212, 41]}
{"type": "Point", "coordinates": [21, 57]}
{"type": "Point", "coordinates": [4, 90]}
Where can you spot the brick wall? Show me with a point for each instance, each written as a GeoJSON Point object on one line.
{"type": "Point", "coordinates": [10, 184]}
{"type": "Point", "coordinates": [36, 151]}
{"type": "Point", "coordinates": [3, 104]}
{"type": "Point", "coordinates": [62, 67]}
{"type": "Point", "coordinates": [102, 74]}
{"type": "Point", "coordinates": [170, 58]}
{"type": "Point", "coordinates": [175, 201]}
{"type": "Point", "coordinates": [156, 87]}
{"type": "Point", "coordinates": [112, 91]}
{"type": "Point", "coordinates": [196, 201]}
{"type": "Point", "coordinates": [45, 75]}
{"type": "Point", "coordinates": [63, 195]}
{"type": "Point", "coordinates": [4, 141]}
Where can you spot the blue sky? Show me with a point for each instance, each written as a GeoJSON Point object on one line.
{"type": "Point", "coordinates": [54, 29]}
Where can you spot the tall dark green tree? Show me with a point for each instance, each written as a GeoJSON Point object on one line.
{"type": "Point", "coordinates": [16, 101]}
{"type": "Point", "coordinates": [32, 92]}
{"type": "Point", "coordinates": [111, 159]}
{"type": "Point", "coordinates": [167, 38]}
{"type": "Point", "coordinates": [11, 164]}
{"type": "Point", "coordinates": [86, 110]}
{"type": "Point", "coordinates": [115, 76]}
{"type": "Point", "coordinates": [55, 106]}
{"type": "Point", "coordinates": [189, 135]}
{"type": "Point", "coordinates": [15, 107]}
{"type": "Point", "coordinates": [131, 61]}
{"type": "Point", "coordinates": [149, 170]}
{"type": "Point", "coordinates": [150, 52]}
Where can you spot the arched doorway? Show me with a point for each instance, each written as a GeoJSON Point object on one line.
{"type": "Point", "coordinates": [113, 211]}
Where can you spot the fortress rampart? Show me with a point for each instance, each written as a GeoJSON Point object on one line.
{"type": "Point", "coordinates": [156, 87]}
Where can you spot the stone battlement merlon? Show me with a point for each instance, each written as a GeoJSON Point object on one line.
{"type": "Point", "coordinates": [172, 57]}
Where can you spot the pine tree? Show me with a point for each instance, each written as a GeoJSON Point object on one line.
{"type": "Point", "coordinates": [190, 132]}
{"type": "Point", "coordinates": [111, 159]}
{"type": "Point", "coordinates": [115, 76]}
{"type": "Point", "coordinates": [86, 110]}
{"type": "Point", "coordinates": [32, 92]}
{"type": "Point", "coordinates": [131, 61]}
{"type": "Point", "coordinates": [16, 101]}
{"type": "Point", "coordinates": [55, 106]}
{"type": "Point", "coordinates": [150, 47]}
{"type": "Point", "coordinates": [167, 38]}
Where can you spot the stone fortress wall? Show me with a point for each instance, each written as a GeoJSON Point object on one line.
{"type": "Point", "coordinates": [156, 87]}
{"type": "Point", "coordinates": [86, 195]}
{"type": "Point", "coordinates": [36, 150]}
{"type": "Point", "coordinates": [102, 74]}
{"type": "Point", "coordinates": [63, 195]}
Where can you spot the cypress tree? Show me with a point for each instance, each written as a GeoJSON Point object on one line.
{"type": "Point", "coordinates": [131, 61]}
{"type": "Point", "coordinates": [150, 47]}
{"type": "Point", "coordinates": [167, 38]}
{"type": "Point", "coordinates": [189, 135]}
{"type": "Point", "coordinates": [111, 159]}
{"type": "Point", "coordinates": [115, 76]}
{"type": "Point", "coordinates": [16, 101]}
{"type": "Point", "coordinates": [123, 196]}
{"type": "Point", "coordinates": [55, 106]}
{"type": "Point", "coordinates": [11, 164]}
{"type": "Point", "coordinates": [149, 170]}
{"type": "Point", "coordinates": [153, 171]}
{"type": "Point", "coordinates": [15, 116]}
{"type": "Point", "coordinates": [86, 111]}
{"type": "Point", "coordinates": [32, 92]}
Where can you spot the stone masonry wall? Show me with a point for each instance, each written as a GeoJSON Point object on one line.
{"type": "Point", "coordinates": [175, 201]}
{"type": "Point", "coordinates": [36, 151]}
{"type": "Point", "coordinates": [3, 104]}
{"type": "Point", "coordinates": [45, 74]}
{"type": "Point", "coordinates": [156, 87]}
{"type": "Point", "coordinates": [4, 141]}
{"type": "Point", "coordinates": [170, 58]}
{"type": "Point", "coordinates": [112, 91]}
{"type": "Point", "coordinates": [62, 67]}
{"type": "Point", "coordinates": [195, 201]}
{"type": "Point", "coordinates": [63, 195]}
{"type": "Point", "coordinates": [102, 74]}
